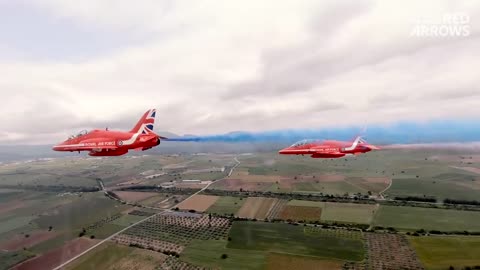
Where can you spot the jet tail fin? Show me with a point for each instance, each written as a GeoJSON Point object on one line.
{"type": "Point", "coordinates": [357, 140]}
{"type": "Point", "coordinates": [145, 124]}
{"type": "Point", "coordinates": [365, 143]}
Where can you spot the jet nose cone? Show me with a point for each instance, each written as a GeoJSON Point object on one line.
{"type": "Point", "coordinates": [283, 151]}
{"type": "Point", "coordinates": [55, 148]}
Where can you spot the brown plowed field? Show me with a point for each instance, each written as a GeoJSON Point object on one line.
{"type": "Point", "coordinates": [133, 196]}
{"type": "Point", "coordinates": [256, 207]}
{"type": "Point", "coordinates": [5, 207]}
{"type": "Point", "coordinates": [276, 209]}
{"type": "Point", "coordinates": [297, 213]}
{"type": "Point", "coordinates": [199, 203]}
{"type": "Point", "coordinates": [55, 257]}
{"type": "Point", "coordinates": [20, 241]}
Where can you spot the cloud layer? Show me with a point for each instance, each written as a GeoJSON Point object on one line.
{"type": "Point", "coordinates": [215, 66]}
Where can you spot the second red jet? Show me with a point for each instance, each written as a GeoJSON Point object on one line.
{"type": "Point", "coordinates": [328, 148]}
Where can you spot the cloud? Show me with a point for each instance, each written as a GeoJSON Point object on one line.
{"type": "Point", "coordinates": [215, 66]}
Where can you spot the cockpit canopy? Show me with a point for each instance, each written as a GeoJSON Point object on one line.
{"type": "Point", "coordinates": [306, 141]}
{"type": "Point", "coordinates": [81, 133]}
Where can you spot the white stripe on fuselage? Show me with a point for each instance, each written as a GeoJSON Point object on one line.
{"type": "Point", "coordinates": [131, 140]}
{"type": "Point", "coordinates": [72, 145]}
{"type": "Point", "coordinates": [354, 145]}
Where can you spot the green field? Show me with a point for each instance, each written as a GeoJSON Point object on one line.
{"type": "Point", "coordinates": [208, 253]}
{"type": "Point", "coordinates": [75, 215]}
{"type": "Point", "coordinates": [333, 188]}
{"type": "Point", "coordinates": [9, 224]}
{"type": "Point", "coordinates": [226, 205]}
{"type": "Point", "coordinates": [102, 257]}
{"type": "Point", "coordinates": [105, 231]}
{"type": "Point", "coordinates": [413, 218]}
{"type": "Point", "coordinates": [341, 212]}
{"type": "Point", "coordinates": [9, 259]}
{"type": "Point", "coordinates": [26, 229]}
{"type": "Point", "coordinates": [438, 252]}
{"type": "Point", "coordinates": [126, 220]}
{"type": "Point", "coordinates": [55, 242]}
{"type": "Point", "coordinates": [9, 194]}
{"type": "Point", "coordinates": [348, 212]}
{"type": "Point", "coordinates": [459, 187]}
{"type": "Point", "coordinates": [285, 238]}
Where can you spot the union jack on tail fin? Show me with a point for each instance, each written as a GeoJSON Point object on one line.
{"type": "Point", "coordinates": [145, 124]}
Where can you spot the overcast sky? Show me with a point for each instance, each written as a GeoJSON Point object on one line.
{"type": "Point", "coordinates": [217, 66]}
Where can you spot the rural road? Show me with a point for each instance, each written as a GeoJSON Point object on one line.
{"type": "Point", "coordinates": [124, 229]}
{"type": "Point", "coordinates": [383, 191]}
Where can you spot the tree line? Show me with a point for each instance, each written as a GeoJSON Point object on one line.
{"type": "Point", "coordinates": [452, 201]}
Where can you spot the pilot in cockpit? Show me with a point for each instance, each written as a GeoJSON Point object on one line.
{"type": "Point", "coordinates": [81, 133]}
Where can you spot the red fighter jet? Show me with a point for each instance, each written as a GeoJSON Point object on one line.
{"type": "Point", "coordinates": [328, 149]}
{"type": "Point", "coordinates": [114, 143]}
